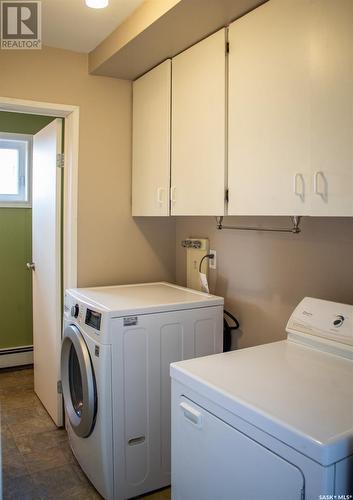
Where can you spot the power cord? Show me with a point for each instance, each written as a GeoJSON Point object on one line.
{"type": "Point", "coordinates": [208, 256]}
{"type": "Point", "coordinates": [227, 330]}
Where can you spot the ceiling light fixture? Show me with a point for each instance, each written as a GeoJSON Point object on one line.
{"type": "Point", "coordinates": [97, 4]}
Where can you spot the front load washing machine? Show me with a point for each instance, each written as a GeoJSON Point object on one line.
{"type": "Point", "coordinates": [117, 347]}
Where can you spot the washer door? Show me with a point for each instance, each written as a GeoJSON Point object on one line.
{"type": "Point", "coordinates": [78, 382]}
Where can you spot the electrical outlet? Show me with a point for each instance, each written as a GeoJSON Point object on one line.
{"type": "Point", "coordinates": [213, 262]}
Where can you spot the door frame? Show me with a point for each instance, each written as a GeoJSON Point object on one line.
{"type": "Point", "coordinates": [70, 114]}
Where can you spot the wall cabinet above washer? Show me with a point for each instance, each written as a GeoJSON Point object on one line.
{"type": "Point", "coordinates": [151, 142]}
{"type": "Point", "coordinates": [198, 128]}
{"type": "Point", "coordinates": [272, 121]}
{"type": "Point", "coordinates": [178, 164]}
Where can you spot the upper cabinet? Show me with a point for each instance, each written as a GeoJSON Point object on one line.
{"type": "Point", "coordinates": [290, 109]}
{"type": "Point", "coordinates": [198, 128]}
{"type": "Point", "coordinates": [151, 142]}
{"type": "Point", "coordinates": [268, 144]}
{"type": "Point", "coordinates": [331, 114]}
{"type": "Point", "coordinates": [271, 121]}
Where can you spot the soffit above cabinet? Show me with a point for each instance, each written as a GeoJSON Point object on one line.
{"type": "Point", "coordinates": [160, 29]}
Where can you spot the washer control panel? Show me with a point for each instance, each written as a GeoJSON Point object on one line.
{"type": "Point", "coordinates": [83, 314]}
{"type": "Point", "coordinates": [93, 319]}
{"type": "Point", "coordinates": [322, 318]}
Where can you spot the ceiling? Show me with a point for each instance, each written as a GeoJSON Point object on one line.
{"type": "Point", "coordinates": [69, 24]}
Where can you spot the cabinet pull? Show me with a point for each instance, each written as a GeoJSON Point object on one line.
{"type": "Point", "coordinates": [160, 195]}
{"type": "Point", "coordinates": [191, 414]}
{"type": "Point", "coordinates": [172, 194]}
{"type": "Point", "coordinates": [301, 193]}
{"type": "Point", "coordinates": [319, 174]}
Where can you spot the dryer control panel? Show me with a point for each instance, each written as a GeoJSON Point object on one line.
{"type": "Point", "coordinates": [322, 318]}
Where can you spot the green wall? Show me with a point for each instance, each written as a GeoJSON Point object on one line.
{"type": "Point", "coordinates": [18, 123]}
{"type": "Point", "coordinates": [16, 251]}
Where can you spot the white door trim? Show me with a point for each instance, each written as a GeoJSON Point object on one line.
{"type": "Point", "coordinates": [71, 117]}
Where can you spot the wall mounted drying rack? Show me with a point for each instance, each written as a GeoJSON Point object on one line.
{"type": "Point", "coordinates": [295, 229]}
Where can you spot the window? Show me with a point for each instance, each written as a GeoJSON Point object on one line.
{"type": "Point", "coordinates": [15, 170]}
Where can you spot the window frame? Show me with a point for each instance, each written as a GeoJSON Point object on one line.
{"type": "Point", "coordinates": [25, 151]}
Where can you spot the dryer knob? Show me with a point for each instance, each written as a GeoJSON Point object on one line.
{"type": "Point", "coordinates": [75, 310]}
{"type": "Point", "coordinates": [339, 320]}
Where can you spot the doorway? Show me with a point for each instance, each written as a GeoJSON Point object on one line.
{"type": "Point", "coordinates": [54, 208]}
{"type": "Point", "coordinates": [16, 138]}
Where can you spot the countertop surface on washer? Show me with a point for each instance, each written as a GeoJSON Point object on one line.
{"type": "Point", "coordinates": [145, 297]}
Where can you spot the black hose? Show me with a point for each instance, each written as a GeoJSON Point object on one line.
{"type": "Point", "coordinates": [227, 330]}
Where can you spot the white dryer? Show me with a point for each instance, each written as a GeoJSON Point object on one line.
{"type": "Point", "coordinates": [117, 347]}
{"type": "Point", "coordinates": [273, 422]}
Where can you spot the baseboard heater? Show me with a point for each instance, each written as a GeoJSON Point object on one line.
{"type": "Point", "coordinates": [16, 356]}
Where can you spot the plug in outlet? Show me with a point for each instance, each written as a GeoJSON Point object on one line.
{"type": "Point", "coordinates": [213, 262]}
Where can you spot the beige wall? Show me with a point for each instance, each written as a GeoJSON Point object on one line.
{"type": "Point", "coordinates": [261, 275]}
{"type": "Point", "coordinates": [112, 247]}
{"type": "Point", "coordinates": [264, 275]}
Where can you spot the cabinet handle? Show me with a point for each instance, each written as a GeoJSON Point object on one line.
{"type": "Point", "coordinates": [160, 195]}
{"type": "Point", "coordinates": [301, 193]}
{"type": "Point", "coordinates": [319, 174]}
{"type": "Point", "coordinates": [191, 414]}
{"type": "Point", "coordinates": [172, 194]}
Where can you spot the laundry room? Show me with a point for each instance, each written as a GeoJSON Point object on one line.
{"type": "Point", "coordinates": [176, 242]}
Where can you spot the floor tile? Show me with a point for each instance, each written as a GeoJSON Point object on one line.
{"type": "Point", "coordinates": [80, 493]}
{"type": "Point", "coordinates": [20, 488]}
{"type": "Point", "coordinates": [23, 414]}
{"type": "Point", "coordinates": [45, 459]}
{"type": "Point", "coordinates": [28, 443]}
{"type": "Point", "coordinates": [13, 464]}
{"type": "Point", "coordinates": [164, 494]}
{"type": "Point", "coordinates": [55, 483]}
{"type": "Point", "coordinates": [7, 438]}
{"type": "Point", "coordinates": [33, 425]}
{"type": "Point", "coordinates": [20, 399]}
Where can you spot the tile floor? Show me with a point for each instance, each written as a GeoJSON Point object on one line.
{"type": "Point", "coordinates": [37, 461]}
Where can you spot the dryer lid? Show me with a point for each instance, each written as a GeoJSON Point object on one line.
{"type": "Point", "coordinates": [299, 395]}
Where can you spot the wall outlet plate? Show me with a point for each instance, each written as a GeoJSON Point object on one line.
{"type": "Point", "coordinates": [193, 258]}
{"type": "Point", "coordinates": [213, 262]}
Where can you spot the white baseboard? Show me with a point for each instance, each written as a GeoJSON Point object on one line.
{"type": "Point", "coordinates": [16, 357]}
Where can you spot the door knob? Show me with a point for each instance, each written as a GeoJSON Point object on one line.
{"type": "Point", "coordinates": [31, 266]}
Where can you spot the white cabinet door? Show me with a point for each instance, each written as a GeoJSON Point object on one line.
{"type": "Point", "coordinates": [212, 460]}
{"type": "Point", "coordinates": [151, 142]}
{"type": "Point", "coordinates": [332, 107]}
{"type": "Point", "coordinates": [47, 294]}
{"type": "Point", "coordinates": [198, 128]}
{"type": "Point", "coordinates": [268, 144]}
